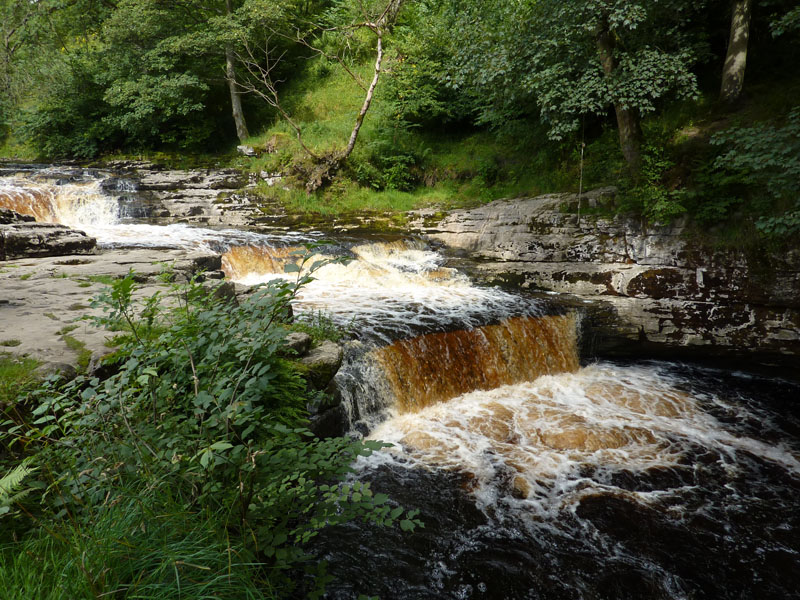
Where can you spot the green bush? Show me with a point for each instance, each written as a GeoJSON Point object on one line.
{"type": "Point", "coordinates": [763, 163]}
{"type": "Point", "coordinates": [203, 410]}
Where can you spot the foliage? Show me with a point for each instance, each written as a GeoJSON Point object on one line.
{"type": "Point", "coordinates": [142, 546]}
{"type": "Point", "coordinates": [648, 196]}
{"type": "Point", "coordinates": [11, 487]}
{"type": "Point", "coordinates": [203, 410]}
{"type": "Point", "coordinates": [16, 378]}
{"type": "Point", "coordinates": [319, 326]}
{"type": "Point", "coordinates": [544, 55]}
{"type": "Point", "coordinates": [764, 161]}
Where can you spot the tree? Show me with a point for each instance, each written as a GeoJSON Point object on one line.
{"type": "Point", "coordinates": [339, 27]}
{"type": "Point", "coordinates": [230, 75]}
{"type": "Point", "coordinates": [736, 57]}
{"type": "Point", "coordinates": [571, 60]}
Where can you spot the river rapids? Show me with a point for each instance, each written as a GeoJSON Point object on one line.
{"type": "Point", "coordinates": [538, 474]}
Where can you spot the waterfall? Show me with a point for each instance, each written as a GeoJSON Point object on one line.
{"type": "Point", "coordinates": [74, 204]}
{"type": "Point", "coordinates": [106, 207]}
{"type": "Point", "coordinates": [385, 290]}
{"type": "Point", "coordinates": [257, 263]}
{"type": "Point", "coordinates": [536, 477]}
{"type": "Point", "coordinates": [436, 367]}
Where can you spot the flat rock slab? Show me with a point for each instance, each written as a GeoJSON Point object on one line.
{"type": "Point", "coordinates": [43, 301]}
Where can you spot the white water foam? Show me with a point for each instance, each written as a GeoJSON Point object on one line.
{"type": "Point", "coordinates": [398, 289]}
{"type": "Point", "coordinates": [543, 445]}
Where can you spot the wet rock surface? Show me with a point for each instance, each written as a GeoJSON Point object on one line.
{"type": "Point", "coordinates": [8, 216]}
{"type": "Point", "coordinates": [25, 240]}
{"type": "Point", "coordinates": [647, 287]}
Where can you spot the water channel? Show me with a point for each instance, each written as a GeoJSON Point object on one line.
{"type": "Point", "coordinates": [539, 473]}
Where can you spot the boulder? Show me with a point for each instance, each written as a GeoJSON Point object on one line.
{"type": "Point", "coordinates": [60, 370]}
{"type": "Point", "coordinates": [299, 343]}
{"type": "Point", "coordinates": [8, 216]}
{"type": "Point", "coordinates": [28, 240]}
{"type": "Point", "coordinates": [322, 363]}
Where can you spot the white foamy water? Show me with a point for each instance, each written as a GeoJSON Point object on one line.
{"type": "Point", "coordinates": [396, 289]}
{"type": "Point", "coordinates": [545, 444]}
{"type": "Point", "coordinates": [86, 206]}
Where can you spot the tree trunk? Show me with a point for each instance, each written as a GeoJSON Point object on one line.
{"type": "Point", "coordinates": [236, 98]}
{"type": "Point", "coordinates": [628, 119]}
{"type": "Point", "coordinates": [736, 58]}
{"type": "Point", "coordinates": [630, 136]}
{"type": "Point", "coordinates": [368, 98]}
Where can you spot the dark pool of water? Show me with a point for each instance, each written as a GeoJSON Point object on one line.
{"type": "Point", "coordinates": [722, 527]}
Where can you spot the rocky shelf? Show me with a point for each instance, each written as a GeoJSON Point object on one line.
{"type": "Point", "coordinates": [643, 289]}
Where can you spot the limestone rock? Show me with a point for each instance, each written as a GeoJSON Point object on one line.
{"type": "Point", "coordinates": [25, 240]}
{"type": "Point", "coordinates": [322, 362]}
{"type": "Point", "coordinates": [8, 216]}
{"type": "Point", "coordinates": [651, 287]}
{"type": "Point", "coordinates": [298, 342]}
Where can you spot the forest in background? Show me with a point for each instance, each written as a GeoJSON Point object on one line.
{"type": "Point", "coordinates": [687, 107]}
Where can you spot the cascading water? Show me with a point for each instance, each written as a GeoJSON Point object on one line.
{"type": "Point", "coordinates": [536, 478]}
{"type": "Point", "coordinates": [107, 208]}
{"type": "Point", "coordinates": [388, 290]}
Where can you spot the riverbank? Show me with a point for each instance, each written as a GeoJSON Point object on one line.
{"type": "Point", "coordinates": [643, 290]}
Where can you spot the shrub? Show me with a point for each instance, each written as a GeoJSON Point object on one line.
{"type": "Point", "coordinates": [202, 410]}
{"type": "Point", "coordinates": [764, 162]}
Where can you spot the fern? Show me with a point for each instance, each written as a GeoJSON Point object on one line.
{"type": "Point", "coordinates": [11, 490]}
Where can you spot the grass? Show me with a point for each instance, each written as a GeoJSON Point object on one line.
{"type": "Point", "coordinates": [142, 547]}
{"type": "Point", "coordinates": [10, 343]}
{"type": "Point", "coordinates": [448, 171]}
{"type": "Point", "coordinates": [104, 279]}
{"type": "Point", "coordinates": [16, 377]}
{"type": "Point", "coordinates": [25, 277]}
{"type": "Point", "coordinates": [79, 347]}
{"type": "Point", "coordinates": [319, 326]}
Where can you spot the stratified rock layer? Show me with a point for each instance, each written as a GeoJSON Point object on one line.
{"type": "Point", "coordinates": [646, 287]}
{"type": "Point", "coordinates": [28, 240]}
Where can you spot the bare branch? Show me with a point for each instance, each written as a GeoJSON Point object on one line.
{"type": "Point", "coordinates": [266, 88]}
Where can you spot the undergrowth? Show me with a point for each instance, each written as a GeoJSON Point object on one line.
{"type": "Point", "coordinates": [189, 472]}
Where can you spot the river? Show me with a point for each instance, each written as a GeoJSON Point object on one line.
{"type": "Point", "coordinates": [538, 473]}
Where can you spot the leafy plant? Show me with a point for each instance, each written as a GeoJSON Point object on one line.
{"type": "Point", "coordinates": [11, 487]}
{"type": "Point", "coordinates": [764, 160]}
{"type": "Point", "coordinates": [203, 409]}
{"type": "Point", "coordinates": [648, 195]}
